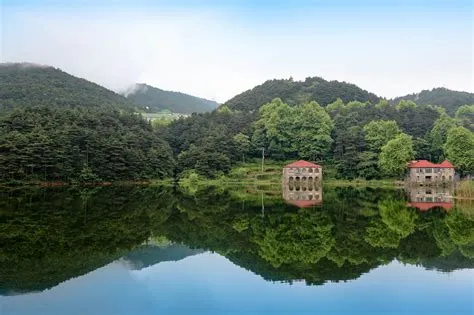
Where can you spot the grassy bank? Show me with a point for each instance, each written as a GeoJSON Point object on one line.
{"type": "Point", "coordinates": [465, 190]}
{"type": "Point", "coordinates": [251, 175]}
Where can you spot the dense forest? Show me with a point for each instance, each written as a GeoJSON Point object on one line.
{"type": "Point", "coordinates": [298, 92]}
{"type": "Point", "coordinates": [55, 127]}
{"type": "Point", "coordinates": [80, 144]}
{"type": "Point", "coordinates": [155, 100]}
{"type": "Point", "coordinates": [356, 139]}
{"type": "Point", "coordinates": [448, 99]}
{"type": "Point", "coordinates": [50, 235]}
{"type": "Point", "coordinates": [27, 85]}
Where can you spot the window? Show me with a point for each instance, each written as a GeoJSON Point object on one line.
{"type": "Point", "coordinates": [310, 170]}
{"type": "Point", "coordinates": [316, 170]}
{"type": "Point", "coordinates": [429, 170]}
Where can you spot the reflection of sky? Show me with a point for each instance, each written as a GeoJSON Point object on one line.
{"type": "Point", "coordinates": [210, 284]}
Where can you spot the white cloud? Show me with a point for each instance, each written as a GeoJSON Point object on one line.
{"type": "Point", "coordinates": [216, 55]}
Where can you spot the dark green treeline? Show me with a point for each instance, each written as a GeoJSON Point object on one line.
{"type": "Point", "coordinates": [80, 144]}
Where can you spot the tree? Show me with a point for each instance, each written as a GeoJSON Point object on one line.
{"type": "Point", "coordinates": [465, 116]}
{"type": "Point", "coordinates": [459, 149]}
{"type": "Point", "coordinates": [438, 135]}
{"type": "Point", "coordinates": [395, 155]}
{"type": "Point", "coordinates": [379, 132]}
{"type": "Point", "coordinates": [299, 131]}
{"type": "Point", "coordinates": [242, 144]}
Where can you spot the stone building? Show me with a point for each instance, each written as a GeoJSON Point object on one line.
{"type": "Point", "coordinates": [425, 198]}
{"type": "Point", "coordinates": [426, 173]}
{"type": "Point", "coordinates": [302, 172]}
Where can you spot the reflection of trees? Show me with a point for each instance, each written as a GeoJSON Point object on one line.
{"type": "Point", "coordinates": [50, 235]}
{"type": "Point", "coordinates": [304, 237]}
{"type": "Point", "coordinates": [355, 231]}
{"type": "Point", "coordinates": [47, 236]}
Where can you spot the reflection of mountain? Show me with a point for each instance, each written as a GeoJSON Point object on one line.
{"type": "Point", "coordinates": [449, 263]}
{"type": "Point", "coordinates": [425, 198]}
{"type": "Point", "coordinates": [149, 255]}
{"type": "Point", "coordinates": [50, 235]}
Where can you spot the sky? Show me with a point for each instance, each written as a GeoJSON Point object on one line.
{"type": "Point", "coordinates": [210, 284]}
{"type": "Point", "coordinates": [217, 49]}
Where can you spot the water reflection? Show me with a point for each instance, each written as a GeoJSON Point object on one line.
{"type": "Point", "coordinates": [303, 194]}
{"type": "Point", "coordinates": [50, 235]}
{"type": "Point", "coordinates": [425, 198]}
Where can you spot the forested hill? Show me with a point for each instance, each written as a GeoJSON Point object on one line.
{"type": "Point", "coordinates": [297, 92]}
{"type": "Point", "coordinates": [448, 99]}
{"type": "Point", "coordinates": [157, 100]}
{"type": "Point", "coordinates": [26, 85]}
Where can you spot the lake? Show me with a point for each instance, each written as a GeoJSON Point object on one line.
{"type": "Point", "coordinates": [242, 250]}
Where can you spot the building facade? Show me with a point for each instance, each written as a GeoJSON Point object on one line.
{"type": "Point", "coordinates": [427, 173]}
{"type": "Point", "coordinates": [425, 198]}
{"type": "Point", "coordinates": [302, 172]}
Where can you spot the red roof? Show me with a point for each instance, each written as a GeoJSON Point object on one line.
{"type": "Point", "coordinates": [425, 206]}
{"type": "Point", "coordinates": [304, 203]}
{"type": "Point", "coordinates": [425, 163]}
{"type": "Point", "coordinates": [302, 163]}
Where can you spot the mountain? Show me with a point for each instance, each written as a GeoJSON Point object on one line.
{"type": "Point", "coordinates": [150, 255]}
{"type": "Point", "coordinates": [158, 100]}
{"type": "Point", "coordinates": [295, 92]}
{"type": "Point", "coordinates": [448, 99]}
{"type": "Point", "coordinates": [26, 84]}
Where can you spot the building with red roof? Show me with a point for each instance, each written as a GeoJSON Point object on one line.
{"type": "Point", "coordinates": [302, 171]}
{"type": "Point", "coordinates": [427, 173]}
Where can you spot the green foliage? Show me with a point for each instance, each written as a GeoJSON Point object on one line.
{"type": "Point", "coordinates": [242, 144]}
{"type": "Point", "coordinates": [465, 116]}
{"type": "Point", "coordinates": [27, 85]}
{"type": "Point", "coordinates": [154, 100]}
{"type": "Point", "coordinates": [62, 144]}
{"type": "Point", "coordinates": [459, 149]}
{"type": "Point", "coordinates": [438, 135]}
{"type": "Point", "coordinates": [300, 131]}
{"type": "Point", "coordinates": [297, 92]}
{"type": "Point", "coordinates": [397, 217]}
{"type": "Point", "coordinates": [447, 99]}
{"type": "Point", "coordinates": [379, 132]}
{"type": "Point", "coordinates": [396, 154]}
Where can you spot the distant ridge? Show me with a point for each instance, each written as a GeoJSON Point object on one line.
{"type": "Point", "coordinates": [295, 92]}
{"type": "Point", "coordinates": [28, 84]}
{"type": "Point", "coordinates": [448, 99]}
{"type": "Point", "coordinates": [156, 100]}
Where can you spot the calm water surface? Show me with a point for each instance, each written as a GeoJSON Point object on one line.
{"type": "Point", "coordinates": [130, 250]}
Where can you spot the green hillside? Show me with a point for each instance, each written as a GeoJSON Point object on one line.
{"type": "Point", "coordinates": [297, 92]}
{"type": "Point", "coordinates": [158, 100]}
{"type": "Point", "coordinates": [27, 85]}
{"type": "Point", "coordinates": [448, 99]}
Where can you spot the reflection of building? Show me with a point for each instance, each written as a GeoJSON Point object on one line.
{"type": "Point", "coordinates": [302, 195]}
{"type": "Point", "coordinates": [425, 198]}
{"type": "Point", "coordinates": [424, 172]}
{"type": "Point", "coordinates": [302, 172]}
